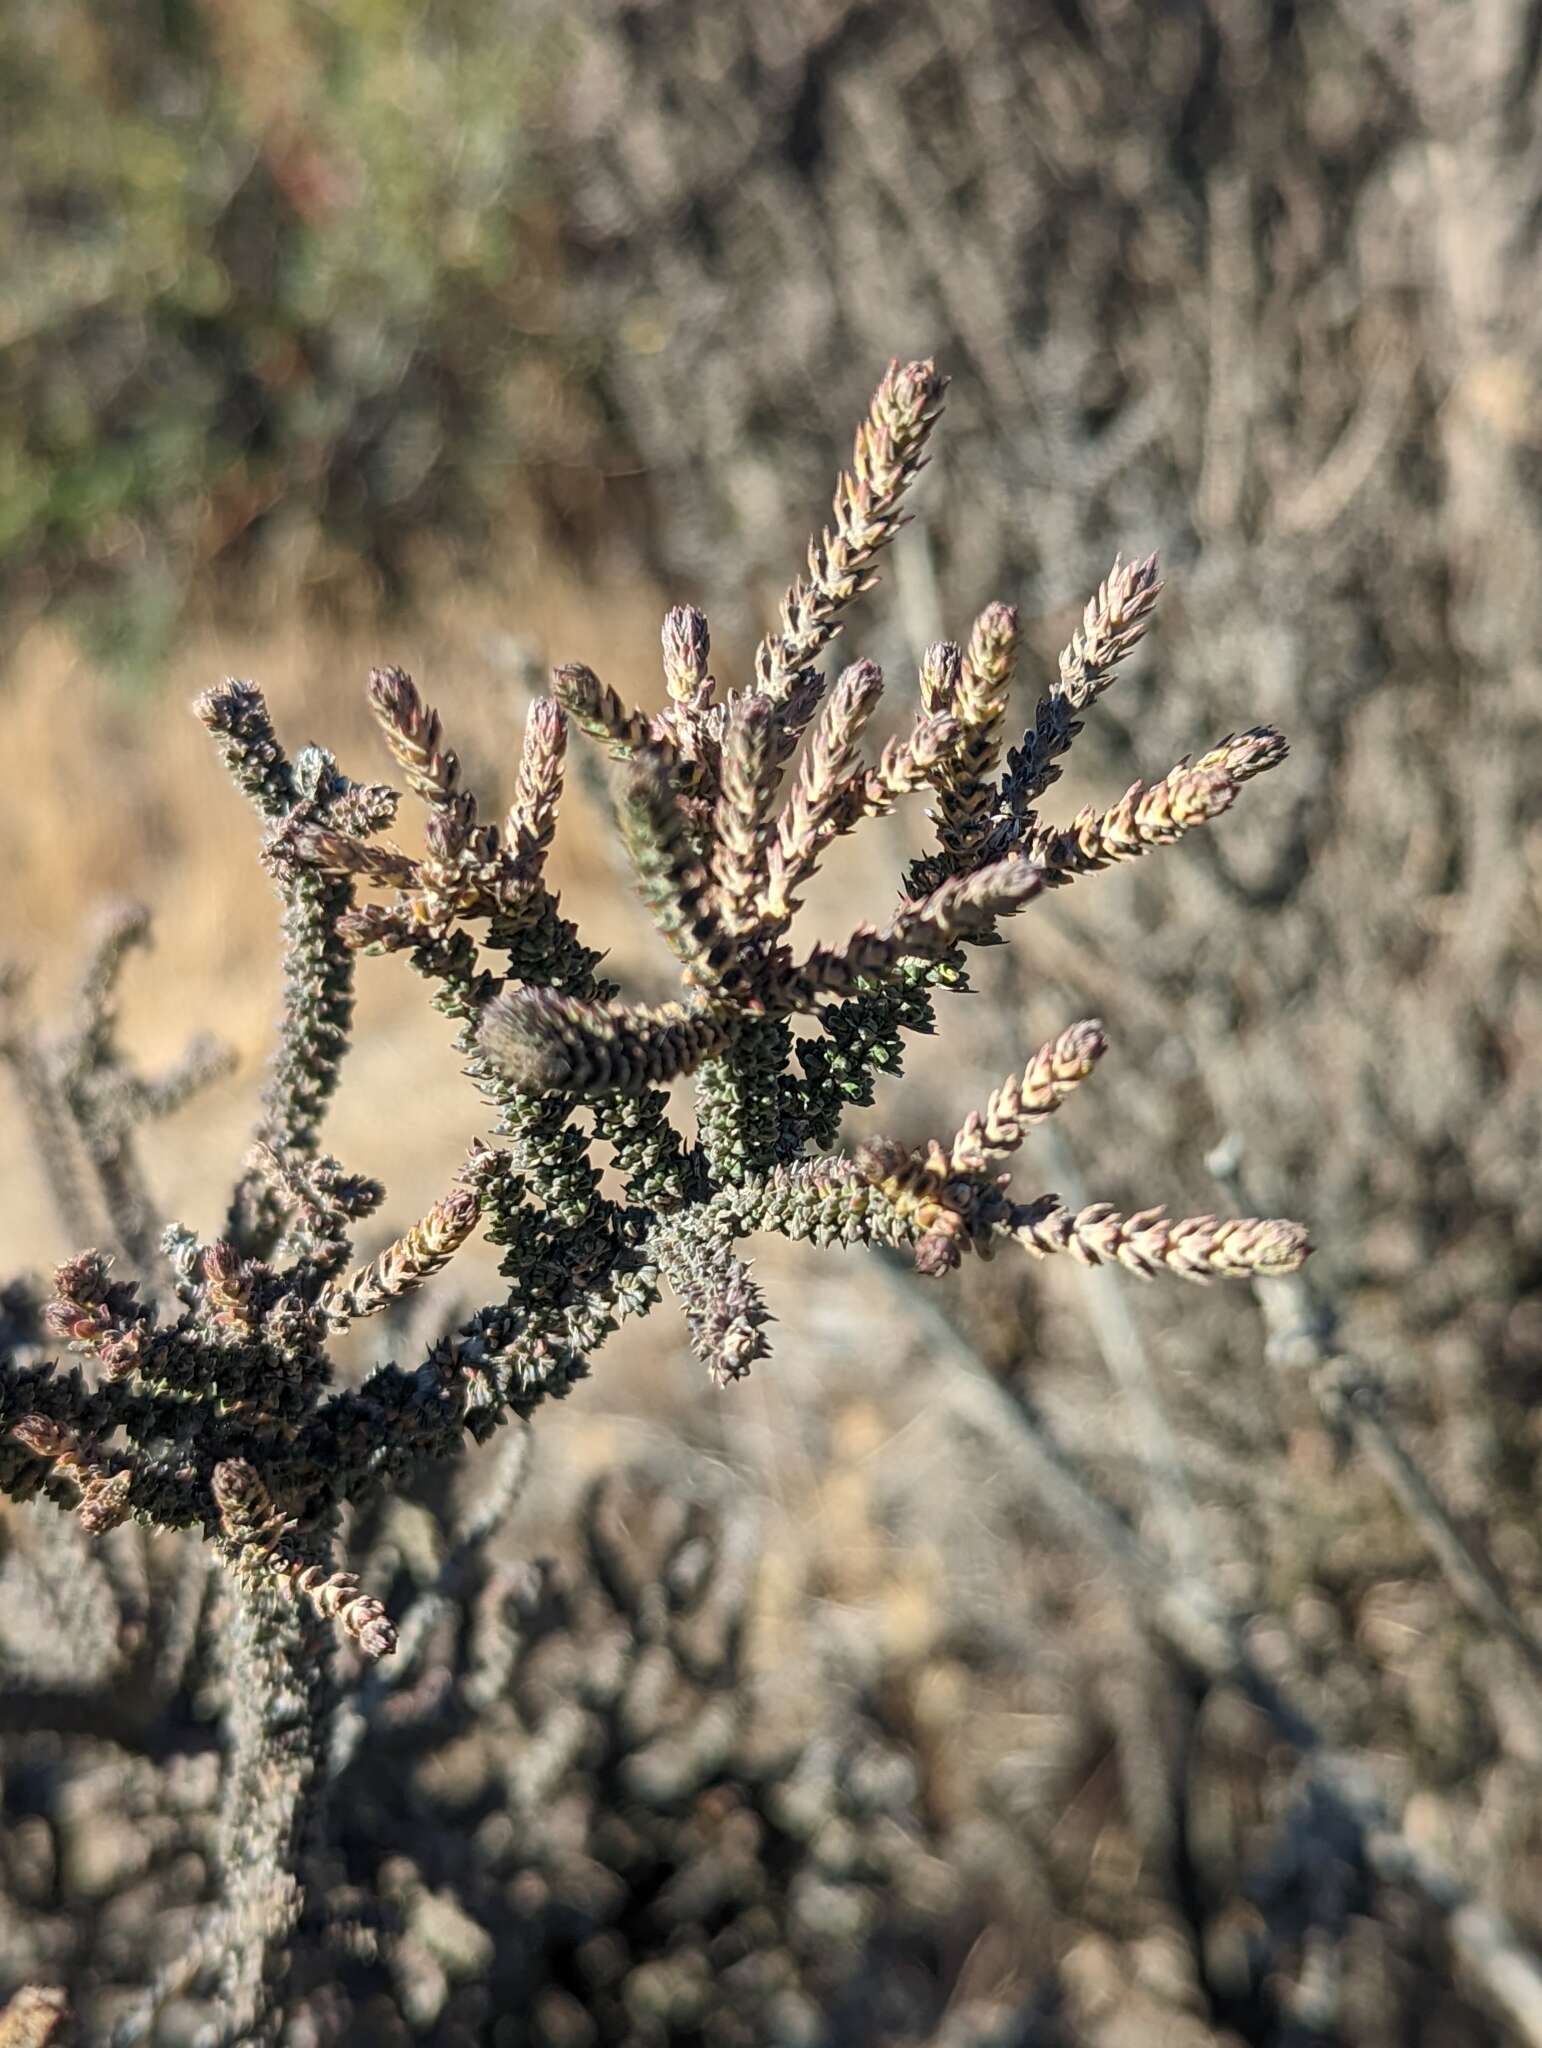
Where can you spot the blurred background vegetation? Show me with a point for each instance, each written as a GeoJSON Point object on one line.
{"type": "Point", "coordinates": [470, 334]}
{"type": "Point", "coordinates": [278, 296]}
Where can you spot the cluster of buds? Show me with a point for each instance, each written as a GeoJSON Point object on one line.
{"type": "Point", "coordinates": [258, 1543]}
{"type": "Point", "coordinates": [727, 803]}
{"type": "Point", "coordinates": [468, 869]}
{"type": "Point", "coordinates": [103, 1493]}
{"type": "Point", "coordinates": [92, 1311]}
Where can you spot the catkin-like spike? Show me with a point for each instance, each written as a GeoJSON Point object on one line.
{"type": "Point", "coordinates": [551, 1043]}
{"type": "Point", "coordinates": [890, 449]}
{"type": "Point", "coordinates": [825, 1200]}
{"type": "Point", "coordinates": [335, 853]}
{"type": "Point", "coordinates": [941, 667]}
{"type": "Point", "coordinates": [532, 816]}
{"type": "Point", "coordinates": [723, 1308]}
{"type": "Point", "coordinates": [925, 930]}
{"type": "Point", "coordinates": [908, 762]}
{"type": "Point", "coordinates": [595, 708]}
{"type": "Point", "coordinates": [246, 1512]}
{"type": "Point", "coordinates": [749, 773]}
{"type": "Point", "coordinates": [236, 714]}
{"type": "Point", "coordinates": [794, 713]}
{"type": "Point", "coordinates": [336, 1596]}
{"type": "Point", "coordinates": [807, 822]}
{"type": "Point", "coordinates": [672, 877]}
{"type": "Point", "coordinates": [725, 1322]}
{"type": "Point", "coordinates": [258, 1542]}
{"type": "Point", "coordinates": [402, 1268]}
{"type": "Point", "coordinates": [1191, 794]}
{"type": "Point", "coordinates": [965, 782]}
{"type": "Point", "coordinates": [1243, 755]}
{"type": "Point", "coordinates": [964, 904]}
{"type": "Point", "coordinates": [1027, 1098]}
{"type": "Point", "coordinates": [1199, 1248]}
{"type": "Point", "coordinates": [1112, 627]}
{"type": "Point", "coordinates": [413, 733]}
{"type": "Point", "coordinates": [687, 648]}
